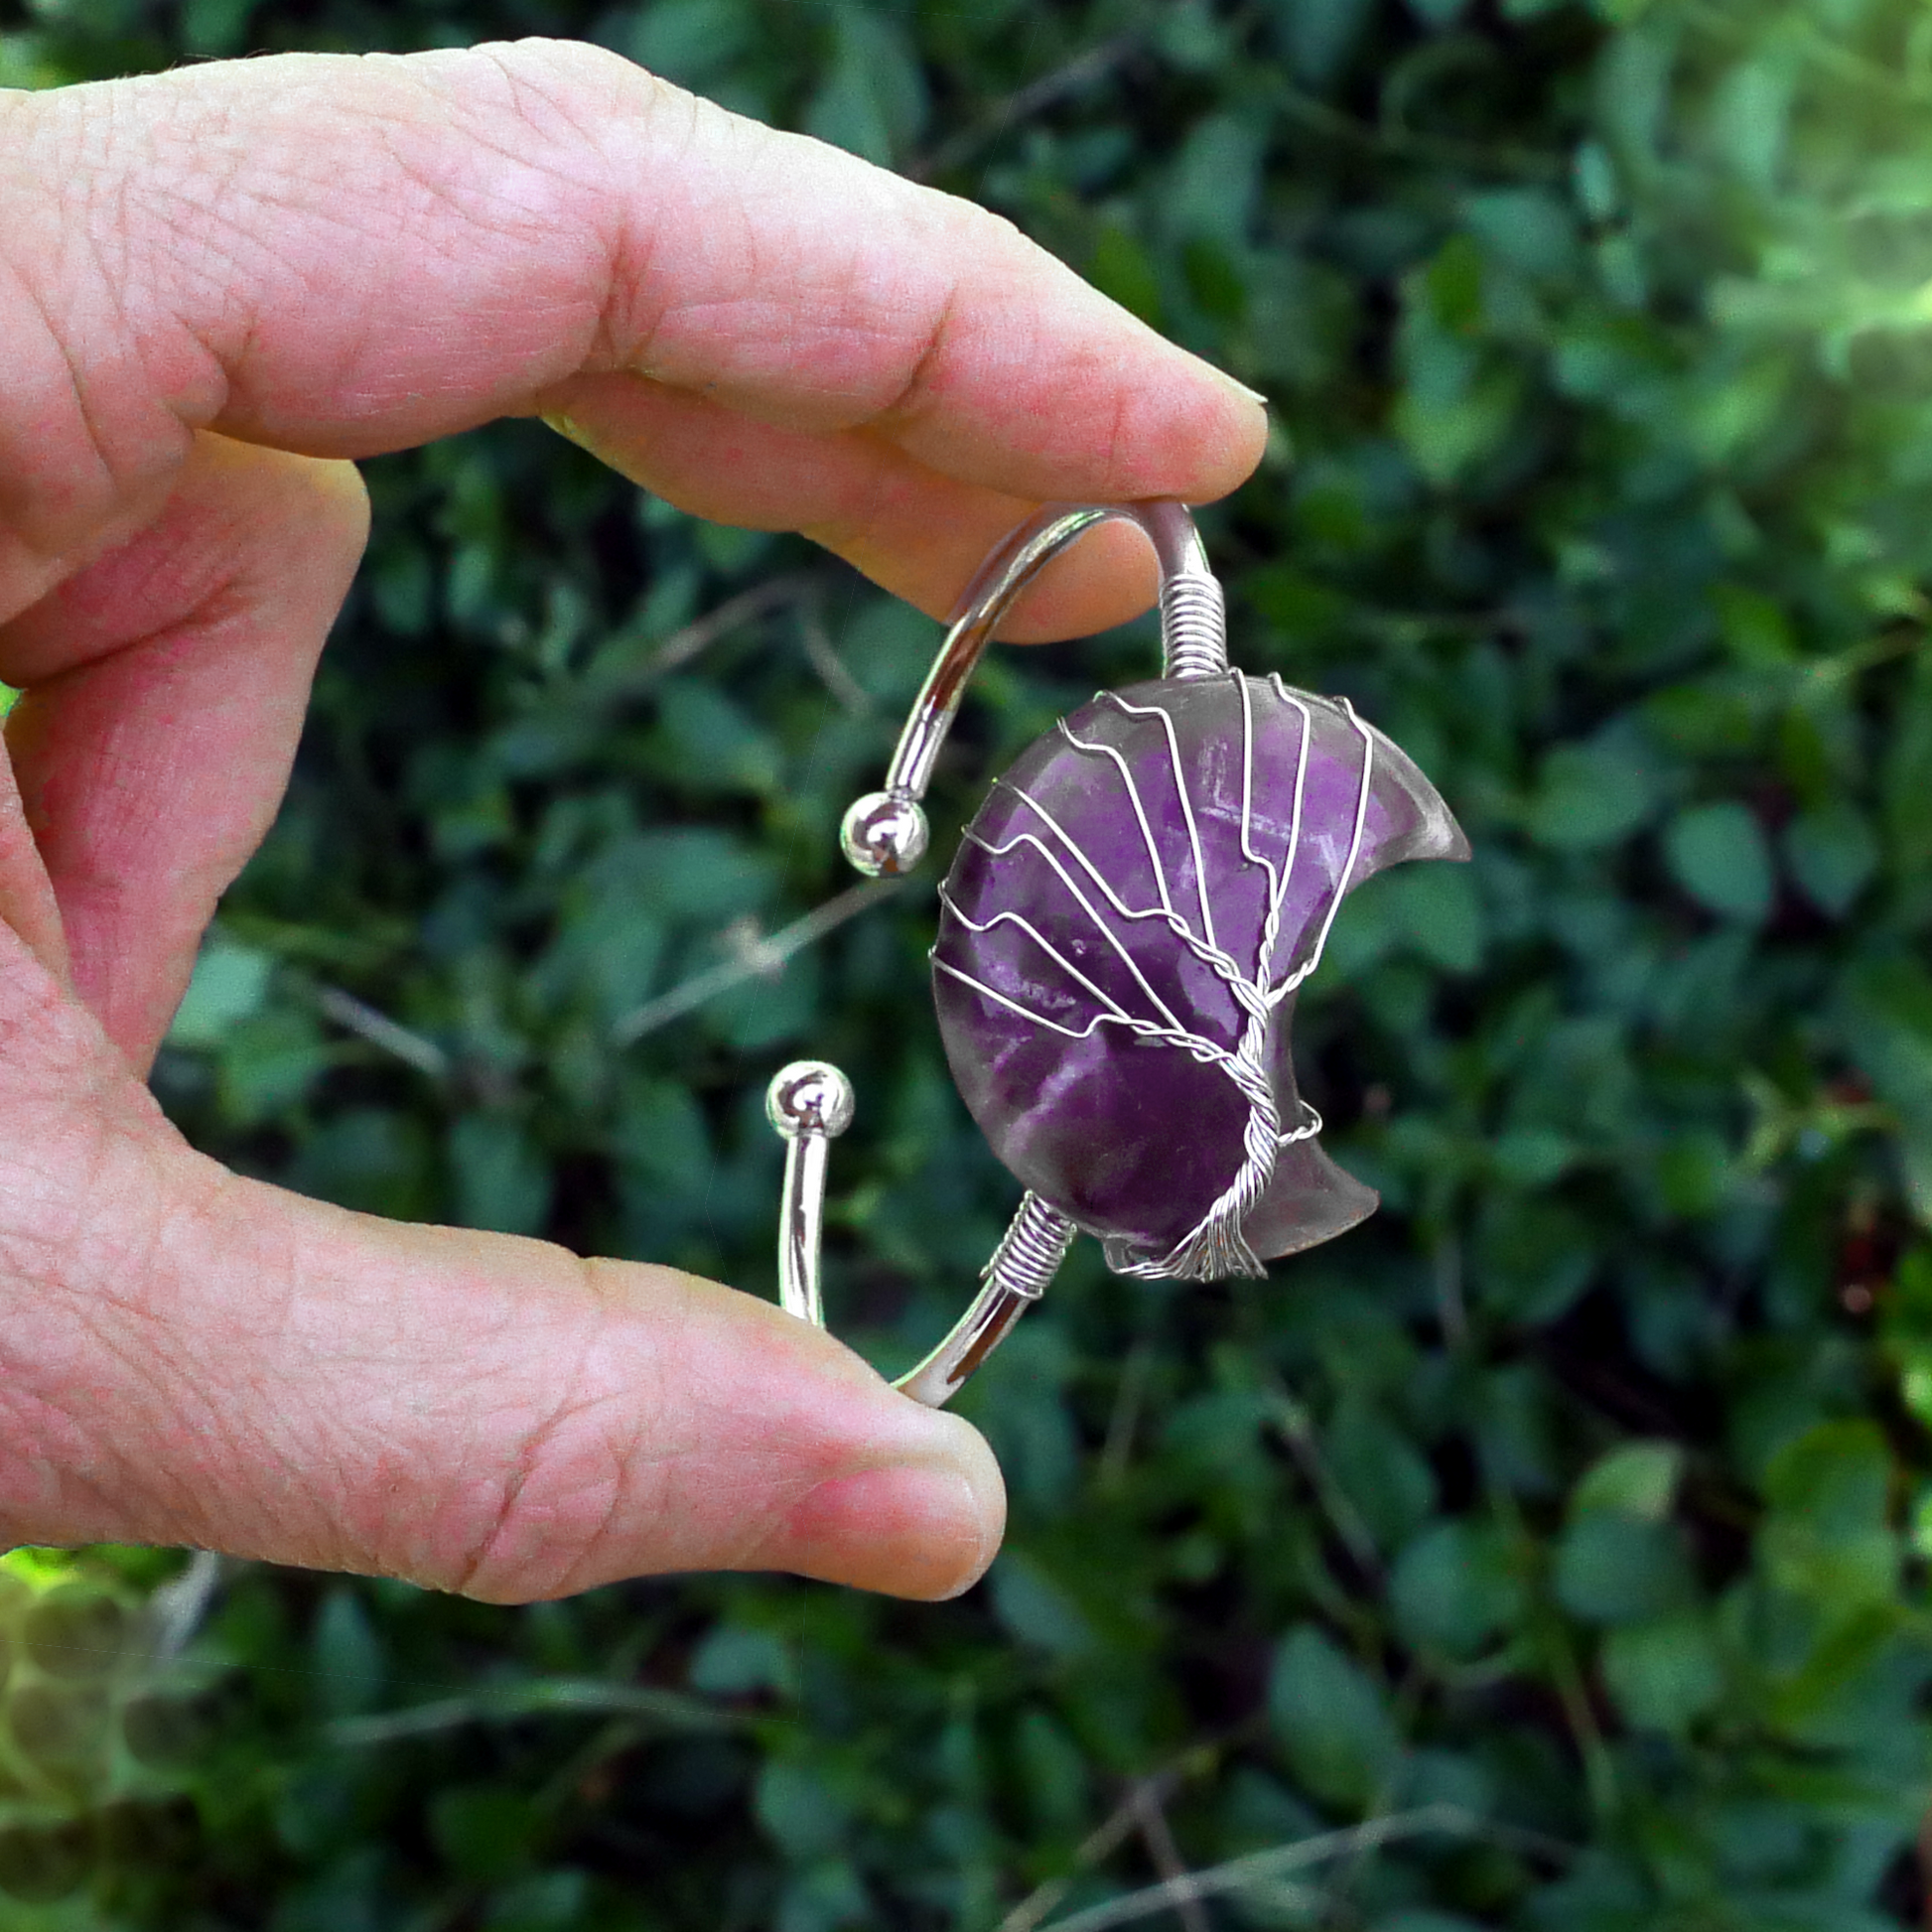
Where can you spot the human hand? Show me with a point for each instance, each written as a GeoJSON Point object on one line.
{"type": "Point", "coordinates": [217, 287]}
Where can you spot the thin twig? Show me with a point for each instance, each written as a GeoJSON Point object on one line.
{"type": "Point", "coordinates": [1269, 1868]}
{"type": "Point", "coordinates": [1445, 1270]}
{"type": "Point", "coordinates": [1157, 1835]}
{"type": "Point", "coordinates": [1130, 1399]}
{"type": "Point", "coordinates": [1084, 70]}
{"type": "Point", "coordinates": [358, 1018]}
{"type": "Point", "coordinates": [175, 1611]}
{"type": "Point", "coordinates": [697, 636]}
{"type": "Point", "coordinates": [830, 666]}
{"type": "Point", "coordinates": [1102, 1842]}
{"type": "Point", "coordinates": [1298, 1431]}
{"type": "Point", "coordinates": [538, 1696]}
{"type": "Point", "coordinates": [1440, 150]}
{"type": "Point", "coordinates": [1842, 63]}
{"type": "Point", "coordinates": [1379, 1808]}
{"type": "Point", "coordinates": [1573, 1692]}
{"type": "Point", "coordinates": [1900, 642]}
{"type": "Point", "coordinates": [753, 960]}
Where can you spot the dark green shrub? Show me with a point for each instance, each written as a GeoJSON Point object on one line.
{"type": "Point", "coordinates": [1561, 1533]}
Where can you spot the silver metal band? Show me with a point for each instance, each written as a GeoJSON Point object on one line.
{"type": "Point", "coordinates": [1018, 1275]}
{"type": "Point", "coordinates": [810, 1104]}
{"type": "Point", "coordinates": [885, 833]}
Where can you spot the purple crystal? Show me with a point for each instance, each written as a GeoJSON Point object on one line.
{"type": "Point", "coordinates": [1119, 942]}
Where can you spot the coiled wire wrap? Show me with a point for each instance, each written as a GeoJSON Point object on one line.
{"type": "Point", "coordinates": [1032, 1249]}
{"type": "Point", "coordinates": [1193, 628]}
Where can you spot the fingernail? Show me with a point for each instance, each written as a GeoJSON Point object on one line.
{"type": "Point", "coordinates": [568, 428]}
{"type": "Point", "coordinates": [918, 1530]}
{"type": "Point", "coordinates": [923, 1520]}
{"type": "Point", "coordinates": [1241, 388]}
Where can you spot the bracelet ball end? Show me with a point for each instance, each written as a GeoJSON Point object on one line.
{"type": "Point", "coordinates": [809, 1097]}
{"type": "Point", "coordinates": [884, 834]}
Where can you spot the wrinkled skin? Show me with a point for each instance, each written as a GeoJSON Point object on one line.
{"type": "Point", "coordinates": [217, 288]}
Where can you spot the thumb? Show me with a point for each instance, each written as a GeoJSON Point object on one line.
{"type": "Point", "coordinates": [496, 1415]}
{"type": "Point", "coordinates": [191, 1357]}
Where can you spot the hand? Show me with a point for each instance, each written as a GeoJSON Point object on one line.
{"type": "Point", "coordinates": [215, 287]}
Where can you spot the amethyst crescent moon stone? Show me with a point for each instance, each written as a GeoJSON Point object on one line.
{"type": "Point", "coordinates": [1122, 936]}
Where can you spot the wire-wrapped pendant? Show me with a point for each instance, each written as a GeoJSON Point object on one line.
{"type": "Point", "coordinates": [1122, 937]}
{"type": "Point", "coordinates": [1121, 941]}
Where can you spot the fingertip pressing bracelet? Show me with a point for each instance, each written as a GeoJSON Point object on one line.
{"type": "Point", "coordinates": [1122, 936]}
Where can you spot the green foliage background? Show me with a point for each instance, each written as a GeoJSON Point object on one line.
{"type": "Point", "coordinates": [1571, 1519]}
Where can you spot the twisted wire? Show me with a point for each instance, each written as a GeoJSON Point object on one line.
{"type": "Point", "coordinates": [1215, 1247]}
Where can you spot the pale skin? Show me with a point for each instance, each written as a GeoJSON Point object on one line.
{"type": "Point", "coordinates": [218, 288]}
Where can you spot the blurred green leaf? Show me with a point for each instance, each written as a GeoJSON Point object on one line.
{"type": "Point", "coordinates": [1330, 1720]}
{"type": "Point", "coordinates": [1055, 1772]}
{"type": "Point", "coordinates": [42, 1863]}
{"type": "Point", "coordinates": [214, 27]}
{"type": "Point", "coordinates": [1833, 855]}
{"type": "Point", "coordinates": [372, 1159]}
{"type": "Point", "coordinates": [797, 1804]}
{"type": "Point", "coordinates": [1527, 227]}
{"type": "Point", "coordinates": [76, 1631]}
{"type": "Point", "coordinates": [1119, 267]}
{"type": "Point", "coordinates": [1750, 109]}
{"type": "Point", "coordinates": [1617, 1568]}
{"type": "Point", "coordinates": [1619, 1559]}
{"type": "Point", "coordinates": [707, 742]}
{"type": "Point", "coordinates": [268, 1063]}
{"type": "Point", "coordinates": [548, 1902]}
{"type": "Point", "coordinates": [230, 983]}
{"type": "Point", "coordinates": [872, 98]}
{"type": "Point", "coordinates": [500, 1181]}
{"type": "Point", "coordinates": [1638, 1481]}
{"type": "Point", "coordinates": [346, 1656]}
{"type": "Point", "coordinates": [485, 1832]}
{"type": "Point", "coordinates": [1434, 910]}
{"type": "Point", "coordinates": [1455, 1588]}
{"type": "Point", "coordinates": [690, 42]}
{"type": "Point", "coordinates": [1829, 1536]}
{"type": "Point", "coordinates": [1384, 1473]}
{"type": "Point", "coordinates": [1037, 1609]}
{"type": "Point", "coordinates": [1695, 1173]}
{"type": "Point", "coordinates": [1318, 36]}
{"type": "Point", "coordinates": [1664, 1674]}
{"type": "Point", "coordinates": [1718, 854]}
{"type": "Point", "coordinates": [731, 1661]}
{"type": "Point", "coordinates": [1757, 628]}
{"type": "Point", "coordinates": [1589, 796]}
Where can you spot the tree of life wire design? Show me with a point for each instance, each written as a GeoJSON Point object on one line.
{"type": "Point", "coordinates": [1215, 1247]}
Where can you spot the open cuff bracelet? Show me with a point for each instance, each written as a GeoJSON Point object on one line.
{"type": "Point", "coordinates": [1121, 939]}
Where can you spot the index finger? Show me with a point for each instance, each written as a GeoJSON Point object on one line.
{"type": "Point", "coordinates": [347, 255]}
